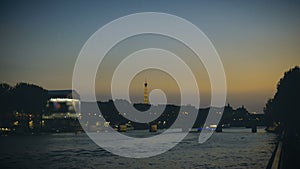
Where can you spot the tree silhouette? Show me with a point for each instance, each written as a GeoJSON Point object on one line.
{"type": "Point", "coordinates": [6, 116]}
{"type": "Point", "coordinates": [284, 108]}
{"type": "Point", "coordinates": [30, 100]}
{"type": "Point", "coordinates": [270, 116]}
{"type": "Point", "coordinates": [286, 100]}
{"type": "Point", "coordinates": [227, 115]}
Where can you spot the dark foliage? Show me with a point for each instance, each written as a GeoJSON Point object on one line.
{"type": "Point", "coordinates": [25, 99]}
{"type": "Point", "coordinates": [284, 111]}
{"type": "Point", "coordinates": [6, 117]}
{"type": "Point", "coordinates": [284, 107]}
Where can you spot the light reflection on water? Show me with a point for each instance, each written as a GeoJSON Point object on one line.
{"type": "Point", "coordinates": [233, 148]}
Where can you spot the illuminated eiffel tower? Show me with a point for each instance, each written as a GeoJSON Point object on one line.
{"type": "Point", "coordinates": [146, 98]}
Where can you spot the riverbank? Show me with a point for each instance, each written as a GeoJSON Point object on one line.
{"type": "Point", "coordinates": [286, 153]}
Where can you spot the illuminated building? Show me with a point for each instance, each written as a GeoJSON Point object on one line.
{"type": "Point", "coordinates": [62, 111]}
{"type": "Point", "coordinates": [62, 104]}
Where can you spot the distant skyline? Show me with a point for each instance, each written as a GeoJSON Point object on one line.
{"type": "Point", "coordinates": [257, 42]}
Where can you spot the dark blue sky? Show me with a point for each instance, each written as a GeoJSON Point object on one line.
{"type": "Point", "coordinates": [256, 40]}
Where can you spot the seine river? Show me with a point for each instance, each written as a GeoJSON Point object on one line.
{"type": "Point", "coordinates": [233, 148]}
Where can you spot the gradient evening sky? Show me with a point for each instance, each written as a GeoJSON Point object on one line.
{"type": "Point", "coordinates": [257, 41]}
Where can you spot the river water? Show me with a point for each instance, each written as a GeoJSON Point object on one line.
{"type": "Point", "coordinates": [233, 148]}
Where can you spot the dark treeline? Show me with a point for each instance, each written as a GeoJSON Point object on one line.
{"type": "Point", "coordinates": [24, 99]}
{"type": "Point", "coordinates": [283, 111]}
{"type": "Point", "coordinates": [239, 117]}
{"type": "Point", "coordinates": [283, 115]}
{"type": "Point", "coordinates": [23, 105]}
